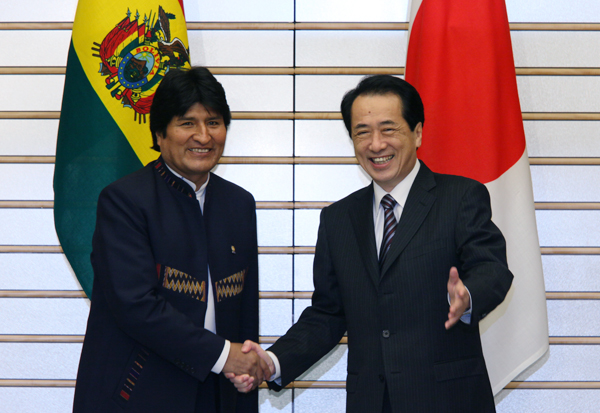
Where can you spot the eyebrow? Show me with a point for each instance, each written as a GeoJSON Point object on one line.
{"type": "Point", "coordinates": [384, 123]}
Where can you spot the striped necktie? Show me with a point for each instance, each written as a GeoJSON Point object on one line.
{"type": "Point", "coordinates": [389, 226]}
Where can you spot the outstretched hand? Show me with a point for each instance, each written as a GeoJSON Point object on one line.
{"type": "Point", "coordinates": [460, 299]}
{"type": "Point", "coordinates": [246, 382]}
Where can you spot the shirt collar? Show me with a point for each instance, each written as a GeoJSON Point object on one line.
{"type": "Point", "coordinates": [400, 191]}
{"type": "Point", "coordinates": [200, 192]}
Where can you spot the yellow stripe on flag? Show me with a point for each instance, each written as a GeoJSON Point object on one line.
{"type": "Point", "coordinates": [125, 48]}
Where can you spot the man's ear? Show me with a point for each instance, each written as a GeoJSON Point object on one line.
{"type": "Point", "coordinates": [418, 134]}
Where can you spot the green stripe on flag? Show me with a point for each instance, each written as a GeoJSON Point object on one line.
{"type": "Point", "coordinates": [91, 152]}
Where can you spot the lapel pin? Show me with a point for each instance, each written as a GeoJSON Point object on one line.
{"type": "Point", "coordinates": [232, 249]}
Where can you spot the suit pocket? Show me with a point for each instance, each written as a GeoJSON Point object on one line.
{"type": "Point", "coordinates": [131, 375]}
{"type": "Point", "coordinates": [181, 283]}
{"type": "Point", "coordinates": [459, 369]}
{"type": "Point", "coordinates": [231, 286]}
{"type": "Point", "coordinates": [417, 250]}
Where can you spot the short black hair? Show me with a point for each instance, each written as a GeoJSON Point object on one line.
{"type": "Point", "coordinates": [412, 105]}
{"type": "Point", "coordinates": [178, 91]}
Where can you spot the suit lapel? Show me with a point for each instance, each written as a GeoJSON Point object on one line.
{"type": "Point", "coordinates": [418, 205]}
{"type": "Point", "coordinates": [361, 216]}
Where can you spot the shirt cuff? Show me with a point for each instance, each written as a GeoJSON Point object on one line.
{"type": "Point", "coordinates": [218, 367]}
{"type": "Point", "coordinates": [466, 317]}
{"type": "Point", "coordinates": [277, 376]}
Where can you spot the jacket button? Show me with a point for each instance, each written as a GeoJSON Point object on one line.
{"type": "Point", "coordinates": [381, 378]}
{"type": "Point", "coordinates": [386, 333]}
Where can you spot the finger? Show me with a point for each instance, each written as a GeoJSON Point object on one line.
{"type": "Point", "coordinates": [247, 346]}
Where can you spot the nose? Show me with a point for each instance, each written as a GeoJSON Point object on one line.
{"type": "Point", "coordinates": [377, 142]}
{"type": "Point", "coordinates": [201, 134]}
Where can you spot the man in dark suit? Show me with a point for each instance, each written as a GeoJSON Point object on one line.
{"type": "Point", "coordinates": [175, 270]}
{"type": "Point", "coordinates": [408, 278]}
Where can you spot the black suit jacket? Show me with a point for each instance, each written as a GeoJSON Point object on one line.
{"type": "Point", "coordinates": [146, 349]}
{"type": "Point", "coordinates": [395, 319]}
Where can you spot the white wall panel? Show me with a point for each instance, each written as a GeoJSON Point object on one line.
{"type": "Point", "coordinates": [60, 360]}
{"type": "Point", "coordinates": [574, 318]}
{"type": "Point", "coordinates": [260, 138]}
{"type": "Point", "coordinates": [547, 401]}
{"type": "Point", "coordinates": [328, 182]}
{"type": "Point", "coordinates": [26, 182]}
{"type": "Point", "coordinates": [28, 137]}
{"type": "Point", "coordinates": [300, 305]}
{"type": "Point", "coordinates": [264, 182]}
{"type": "Point", "coordinates": [241, 47]}
{"type": "Point", "coordinates": [275, 272]}
{"type": "Point", "coordinates": [323, 92]}
{"type": "Point", "coordinates": [562, 138]}
{"type": "Point", "coordinates": [36, 399]}
{"type": "Point", "coordinates": [351, 48]}
{"type": "Point", "coordinates": [303, 272]}
{"type": "Point", "coordinates": [275, 402]}
{"type": "Point", "coordinates": [553, 11]}
{"type": "Point", "coordinates": [39, 11]}
{"type": "Point", "coordinates": [34, 47]}
{"type": "Point", "coordinates": [332, 367]}
{"type": "Point", "coordinates": [322, 138]}
{"type": "Point", "coordinates": [556, 48]}
{"type": "Point", "coordinates": [258, 92]}
{"type": "Point", "coordinates": [306, 226]}
{"type": "Point", "coordinates": [31, 271]}
{"type": "Point", "coordinates": [239, 10]}
{"type": "Point", "coordinates": [351, 11]}
{"type": "Point", "coordinates": [27, 227]}
{"type": "Point", "coordinates": [559, 93]}
{"type": "Point", "coordinates": [275, 317]}
{"type": "Point", "coordinates": [565, 363]}
{"type": "Point", "coordinates": [566, 183]}
{"type": "Point", "coordinates": [571, 272]}
{"type": "Point", "coordinates": [33, 92]}
{"type": "Point", "coordinates": [274, 228]}
{"type": "Point", "coordinates": [568, 228]}
{"type": "Point", "coordinates": [44, 315]}
{"type": "Point", "coordinates": [320, 400]}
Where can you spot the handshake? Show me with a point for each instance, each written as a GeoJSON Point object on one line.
{"type": "Point", "coordinates": [248, 365]}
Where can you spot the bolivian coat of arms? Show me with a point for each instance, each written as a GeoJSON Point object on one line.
{"type": "Point", "coordinates": [135, 55]}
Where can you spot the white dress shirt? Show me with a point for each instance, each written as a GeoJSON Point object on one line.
{"type": "Point", "coordinates": [210, 322]}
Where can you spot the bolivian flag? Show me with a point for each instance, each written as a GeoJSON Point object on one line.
{"type": "Point", "coordinates": [119, 52]}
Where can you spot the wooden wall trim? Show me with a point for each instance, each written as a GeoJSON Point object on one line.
{"type": "Point", "coordinates": [307, 26]}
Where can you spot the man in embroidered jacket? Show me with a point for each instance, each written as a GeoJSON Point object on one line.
{"type": "Point", "coordinates": [175, 270]}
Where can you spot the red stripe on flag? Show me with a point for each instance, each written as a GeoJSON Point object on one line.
{"type": "Point", "coordinates": [460, 60]}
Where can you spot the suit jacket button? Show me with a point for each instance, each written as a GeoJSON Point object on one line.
{"type": "Point", "coordinates": [381, 378]}
{"type": "Point", "coordinates": [386, 333]}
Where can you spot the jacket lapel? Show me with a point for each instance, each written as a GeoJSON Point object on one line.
{"type": "Point", "coordinates": [418, 205]}
{"type": "Point", "coordinates": [361, 216]}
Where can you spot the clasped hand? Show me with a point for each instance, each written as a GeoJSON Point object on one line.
{"type": "Point", "coordinates": [246, 381]}
{"type": "Point", "coordinates": [247, 366]}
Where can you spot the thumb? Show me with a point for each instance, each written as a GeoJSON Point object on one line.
{"type": "Point", "coordinates": [247, 346]}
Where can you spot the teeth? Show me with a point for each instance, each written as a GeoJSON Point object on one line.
{"type": "Point", "coordinates": [383, 159]}
{"type": "Point", "coordinates": [199, 150]}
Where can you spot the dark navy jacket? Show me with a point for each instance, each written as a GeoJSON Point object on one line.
{"type": "Point", "coordinates": [146, 349]}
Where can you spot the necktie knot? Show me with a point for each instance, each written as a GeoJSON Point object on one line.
{"type": "Point", "coordinates": [388, 202]}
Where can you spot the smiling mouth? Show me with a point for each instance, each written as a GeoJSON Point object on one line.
{"type": "Point", "coordinates": [381, 160]}
{"type": "Point", "coordinates": [199, 150]}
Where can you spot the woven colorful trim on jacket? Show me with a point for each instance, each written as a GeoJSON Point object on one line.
{"type": "Point", "coordinates": [230, 286]}
{"type": "Point", "coordinates": [181, 282]}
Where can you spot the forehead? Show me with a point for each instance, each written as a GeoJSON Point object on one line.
{"type": "Point", "coordinates": [371, 106]}
{"type": "Point", "coordinates": [198, 110]}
